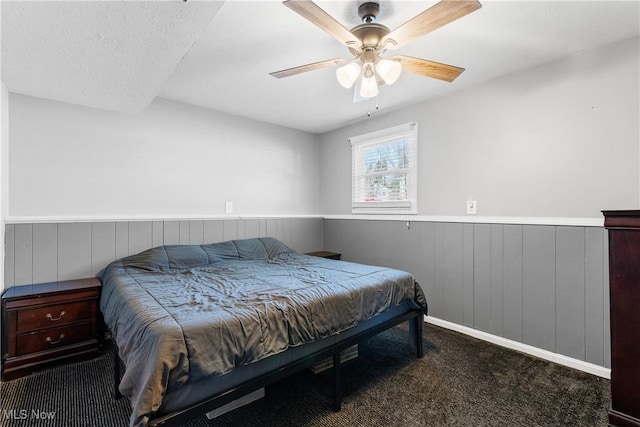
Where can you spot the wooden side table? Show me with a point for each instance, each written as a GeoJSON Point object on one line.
{"type": "Point", "coordinates": [325, 254]}
{"type": "Point", "coordinates": [47, 323]}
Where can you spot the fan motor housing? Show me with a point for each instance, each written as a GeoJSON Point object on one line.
{"type": "Point", "coordinates": [370, 34]}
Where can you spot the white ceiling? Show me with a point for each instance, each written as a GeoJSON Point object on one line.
{"type": "Point", "coordinates": [119, 55]}
{"type": "Point", "coordinates": [110, 55]}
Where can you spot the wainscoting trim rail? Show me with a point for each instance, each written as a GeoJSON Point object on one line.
{"type": "Point", "coordinates": [569, 221]}
{"type": "Point", "coordinates": [560, 359]}
{"type": "Point", "coordinates": [134, 218]}
{"type": "Point", "coordinates": [474, 219]}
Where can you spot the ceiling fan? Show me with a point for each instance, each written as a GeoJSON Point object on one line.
{"type": "Point", "coordinates": [369, 40]}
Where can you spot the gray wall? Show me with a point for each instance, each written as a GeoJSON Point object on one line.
{"type": "Point", "coordinates": [44, 252]}
{"type": "Point", "coordinates": [4, 171]}
{"type": "Point", "coordinates": [172, 160]}
{"type": "Point", "coordinates": [555, 141]}
{"type": "Point", "coordinates": [72, 169]}
{"type": "Point", "coordinates": [542, 285]}
{"type": "Point", "coordinates": [559, 140]}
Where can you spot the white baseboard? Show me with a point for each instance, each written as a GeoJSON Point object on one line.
{"type": "Point", "coordinates": [524, 348]}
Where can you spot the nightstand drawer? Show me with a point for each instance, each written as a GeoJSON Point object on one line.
{"type": "Point", "coordinates": [53, 315]}
{"type": "Point", "coordinates": [53, 338]}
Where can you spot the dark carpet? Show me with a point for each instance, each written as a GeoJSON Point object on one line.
{"type": "Point", "coordinates": [461, 381]}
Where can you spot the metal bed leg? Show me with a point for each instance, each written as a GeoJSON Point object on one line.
{"type": "Point", "coordinates": [337, 389]}
{"type": "Point", "coordinates": [417, 321]}
{"type": "Point", "coordinates": [116, 372]}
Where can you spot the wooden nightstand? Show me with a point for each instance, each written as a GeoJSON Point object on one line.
{"type": "Point", "coordinates": [325, 254]}
{"type": "Point", "coordinates": [47, 323]}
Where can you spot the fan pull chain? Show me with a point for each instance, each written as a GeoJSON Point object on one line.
{"type": "Point", "coordinates": [369, 112]}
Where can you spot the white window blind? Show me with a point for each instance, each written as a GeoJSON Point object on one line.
{"type": "Point", "coordinates": [384, 170]}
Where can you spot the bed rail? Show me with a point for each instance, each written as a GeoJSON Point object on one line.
{"type": "Point", "coordinates": [179, 417]}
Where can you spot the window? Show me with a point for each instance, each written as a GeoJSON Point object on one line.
{"type": "Point", "coordinates": [384, 173]}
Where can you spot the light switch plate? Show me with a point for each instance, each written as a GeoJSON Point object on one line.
{"type": "Point", "coordinates": [472, 206]}
{"type": "Point", "coordinates": [228, 207]}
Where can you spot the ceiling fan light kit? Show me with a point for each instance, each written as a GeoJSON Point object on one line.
{"type": "Point", "coordinates": [369, 40]}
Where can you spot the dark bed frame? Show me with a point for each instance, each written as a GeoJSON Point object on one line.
{"type": "Point", "coordinates": [179, 417]}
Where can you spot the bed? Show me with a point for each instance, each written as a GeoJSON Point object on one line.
{"type": "Point", "coordinates": [197, 326]}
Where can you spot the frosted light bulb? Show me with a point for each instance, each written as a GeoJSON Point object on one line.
{"type": "Point", "coordinates": [348, 74]}
{"type": "Point", "coordinates": [389, 70]}
{"type": "Point", "coordinates": [369, 87]}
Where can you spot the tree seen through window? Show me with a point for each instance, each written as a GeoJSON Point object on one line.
{"type": "Point", "coordinates": [386, 170]}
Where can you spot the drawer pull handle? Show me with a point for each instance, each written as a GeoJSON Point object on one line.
{"type": "Point", "coordinates": [50, 316]}
{"type": "Point", "coordinates": [55, 342]}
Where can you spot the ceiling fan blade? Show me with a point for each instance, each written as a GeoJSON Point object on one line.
{"type": "Point", "coordinates": [436, 16]}
{"type": "Point", "coordinates": [435, 70]}
{"type": "Point", "coordinates": [304, 68]}
{"type": "Point", "coordinates": [317, 16]}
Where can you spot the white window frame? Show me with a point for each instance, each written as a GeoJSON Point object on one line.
{"type": "Point", "coordinates": [382, 137]}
